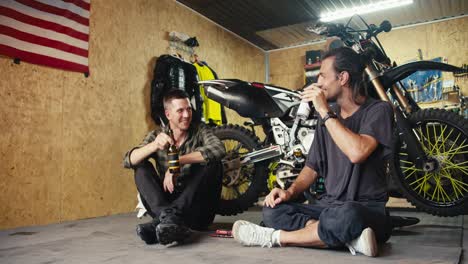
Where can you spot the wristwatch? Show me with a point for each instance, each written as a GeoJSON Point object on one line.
{"type": "Point", "coordinates": [329, 115]}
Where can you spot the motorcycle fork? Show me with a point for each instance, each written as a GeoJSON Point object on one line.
{"type": "Point", "coordinates": [405, 132]}
{"type": "Point", "coordinates": [406, 101]}
{"type": "Point", "coordinates": [401, 99]}
{"type": "Point", "coordinates": [396, 92]}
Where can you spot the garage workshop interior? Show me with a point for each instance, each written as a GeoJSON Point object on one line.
{"type": "Point", "coordinates": [216, 131]}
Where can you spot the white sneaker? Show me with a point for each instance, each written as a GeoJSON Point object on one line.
{"type": "Point", "coordinates": [365, 243]}
{"type": "Point", "coordinates": [249, 234]}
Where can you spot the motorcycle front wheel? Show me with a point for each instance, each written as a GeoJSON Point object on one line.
{"type": "Point", "coordinates": [242, 183]}
{"type": "Point", "coordinates": [442, 191]}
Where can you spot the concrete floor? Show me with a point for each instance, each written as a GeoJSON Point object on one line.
{"type": "Point", "coordinates": [112, 240]}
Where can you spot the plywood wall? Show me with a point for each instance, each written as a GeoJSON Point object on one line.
{"type": "Point", "coordinates": [63, 135]}
{"type": "Point", "coordinates": [443, 39]}
{"type": "Point", "coordinates": [447, 39]}
{"type": "Point", "coordinates": [287, 66]}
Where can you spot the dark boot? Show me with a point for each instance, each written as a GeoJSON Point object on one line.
{"type": "Point", "coordinates": [171, 228]}
{"type": "Point", "coordinates": [147, 231]}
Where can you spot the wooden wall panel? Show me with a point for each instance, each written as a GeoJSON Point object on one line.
{"type": "Point", "coordinates": [287, 66]}
{"type": "Point", "coordinates": [63, 135]}
{"type": "Point", "coordinates": [447, 38]}
{"type": "Point", "coordinates": [30, 117]}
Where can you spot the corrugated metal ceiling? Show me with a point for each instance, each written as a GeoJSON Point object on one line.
{"type": "Point", "coordinates": [273, 24]}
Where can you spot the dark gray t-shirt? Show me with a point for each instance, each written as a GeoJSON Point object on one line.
{"type": "Point", "coordinates": [345, 181]}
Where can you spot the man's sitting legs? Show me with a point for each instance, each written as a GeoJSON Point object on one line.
{"type": "Point", "coordinates": [167, 225]}
{"type": "Point", "coordinates": [194, 204]}
{"type": "Point", "coordinates": [350, 224]}
{"type": "Point", "coordinates": [201, 210]}
{"type": "Point", "coordinates": [249, 234]}
{"type": "Point", "coordinates": [290, 216]}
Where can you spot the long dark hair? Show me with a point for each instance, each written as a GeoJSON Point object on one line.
{"type": "Point", "coordinates": [349, 61]}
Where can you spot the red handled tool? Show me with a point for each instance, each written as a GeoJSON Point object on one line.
{"type": "Point", "coordinates": [222, 233]}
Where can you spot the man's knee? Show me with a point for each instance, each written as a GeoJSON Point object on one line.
{"type": "Point", "coordinates": [143, 166]}
{"type": "Point", "coordinates": [347, 214]}
{"type": "Point", "coordinates": [272, 215]}
{"type": "Point", "coordinates": [341, 218]}
{"type": "Point", "coordinates": [353, 212]}
{"type": "Point", "coordinates": [342, 224]}
{"type": "Point", "coordinates": [214, 169]}
{"type": "Point", "coordinates": [143, 170]}
{"type": "Point", "coordinates": [210, 175]}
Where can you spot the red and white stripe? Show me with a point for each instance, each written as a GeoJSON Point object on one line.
{"type": "Point", "coordinates": [54, 33]}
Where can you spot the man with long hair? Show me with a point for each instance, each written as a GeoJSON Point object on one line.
{"type": "Point", "coordinates": [349, 150]}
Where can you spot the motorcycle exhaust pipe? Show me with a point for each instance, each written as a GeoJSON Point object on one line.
{"type": "Point", "coordinates": [262, 154]}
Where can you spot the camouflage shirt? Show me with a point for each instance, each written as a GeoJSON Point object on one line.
{"type": "Point", "coordinates": [200, 138]}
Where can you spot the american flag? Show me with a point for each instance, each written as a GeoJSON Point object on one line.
{"type": "Point", "coordinates": [54, 33]}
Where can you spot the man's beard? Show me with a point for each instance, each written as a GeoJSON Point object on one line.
{"type": "Point", "coordinates": [332, 99]}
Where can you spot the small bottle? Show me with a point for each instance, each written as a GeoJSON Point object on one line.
{"type": "Point", "coordinates": [173, 156]}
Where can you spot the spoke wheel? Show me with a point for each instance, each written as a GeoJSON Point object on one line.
{"type": "Point", "coordinates": [237, 177]}
{"type": "Point", "coordinates": [443, 190]}
{"type": "Point", "coordinates": [242, 183]}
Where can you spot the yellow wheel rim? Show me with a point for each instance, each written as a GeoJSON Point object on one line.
{"type": "Point", "coordinates": [448, 183]}
{"type": "Point", "coordinates": [231, 191]}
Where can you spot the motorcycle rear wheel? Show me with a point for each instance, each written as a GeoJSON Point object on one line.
{"type": "Point", "coordinates": [444, 137]}
{"type": "Point", "coordinates": [242, 183]}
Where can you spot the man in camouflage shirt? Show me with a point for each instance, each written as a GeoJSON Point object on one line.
{"type": "Point", "coordinates": [177, 202]}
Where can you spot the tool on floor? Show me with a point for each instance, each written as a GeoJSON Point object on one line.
{"type": "Point", "coordinates": [222, 233]}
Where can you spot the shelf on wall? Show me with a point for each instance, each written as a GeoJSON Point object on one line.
{"type": "Point", "coordinates": [439, 104]}
{"type": "Point", "coordinates": [312, 66]}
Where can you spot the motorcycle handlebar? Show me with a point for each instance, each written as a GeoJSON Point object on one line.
{"type": "Point", "coordinates": [328, 29]}
{"type": "Point", "coordinates": [385, 26]}
{"type": "Point", "coordinates": [340, 30]}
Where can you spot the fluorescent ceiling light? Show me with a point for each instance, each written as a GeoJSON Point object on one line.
{"type": "Point", "coordinates": [362, 9]}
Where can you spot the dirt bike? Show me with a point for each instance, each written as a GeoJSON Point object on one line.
{"type": "Point", "coordinates": [430, 163]}
{"type": "Point", "coordinates": [249, 162]}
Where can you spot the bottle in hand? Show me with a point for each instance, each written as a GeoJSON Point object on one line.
{"type": "Point", "coordinates": [173, 156]}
